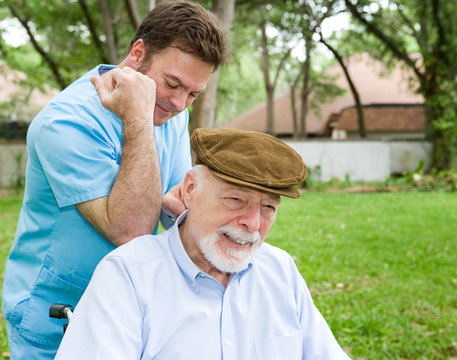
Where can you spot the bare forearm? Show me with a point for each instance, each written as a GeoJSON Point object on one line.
{"type": "Point", "coordinates": [133, 205]}
{"type": "Point", "coordinates": [135, 200]}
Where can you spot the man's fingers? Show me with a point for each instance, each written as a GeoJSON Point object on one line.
{"type": "Point", "coordinates": [100, 87]}
{"type": "Point", "coordinates": [127, 93]}
{"type": "Point", "coordinates": [173, 202]}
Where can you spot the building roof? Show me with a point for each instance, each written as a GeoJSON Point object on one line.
{"type": "Point", "coordinates": [384, 117]}
{"type": "Point", "coordinates": [375, 84]}
{"type": "Point", "coordinates": [256, 117]}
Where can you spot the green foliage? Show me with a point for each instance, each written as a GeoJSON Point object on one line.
{"type": "Point", "coordinates": [436, 181]}
{"type": "Point", "coordinates": [14, 130]}
{"type": "Point", "coordinates": [411, 181]}
{"type": "Point", "coordinates": [234, 96]}
{"type": "Point", "coordinates": [62, 31]}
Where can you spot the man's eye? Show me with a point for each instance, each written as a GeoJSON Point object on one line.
{"type": "Point", "coordinates": [233, 201]}
{"type": "Point", "coordinates": [171, 86]}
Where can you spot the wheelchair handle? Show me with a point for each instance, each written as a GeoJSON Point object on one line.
{"type": "Point", "coordinates": [61, 311]}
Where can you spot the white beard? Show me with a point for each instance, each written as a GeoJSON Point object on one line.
{"type": "Point", "coordinates": [228, 259]}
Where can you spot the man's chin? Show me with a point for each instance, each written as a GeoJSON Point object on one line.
{"type": "Point", "coordinates": [161, 120]}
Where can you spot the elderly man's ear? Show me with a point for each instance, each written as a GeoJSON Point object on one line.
{"type": "Point", "coordinates": [189, 186]}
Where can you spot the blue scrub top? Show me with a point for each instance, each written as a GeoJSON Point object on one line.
{"type": "Point", "coordinates": [74, 147]}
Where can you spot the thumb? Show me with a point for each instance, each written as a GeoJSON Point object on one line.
{"type": "Point", "coordinates": [100, 87]}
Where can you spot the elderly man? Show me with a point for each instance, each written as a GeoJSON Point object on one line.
{"type": "Point", "coordinates": [209, 287]}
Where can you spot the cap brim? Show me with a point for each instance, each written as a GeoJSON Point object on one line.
{"type": "Point", "coordinates": [291, 192]}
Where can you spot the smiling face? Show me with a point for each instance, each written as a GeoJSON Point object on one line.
{"type": "Point", "coordinates": [179, 77]}
{"type": "Point", "coordinates": [226, 223]}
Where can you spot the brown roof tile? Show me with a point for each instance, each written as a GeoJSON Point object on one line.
{"type": "Point", "coordinates": [384, 117]}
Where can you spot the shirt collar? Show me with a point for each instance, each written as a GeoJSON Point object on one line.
{"type": "Point", "coordinates": [188, 268]}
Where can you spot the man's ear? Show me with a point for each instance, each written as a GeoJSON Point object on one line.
{"type": "Point", "coordinates": [189, 185]}
{"type": "Point", "coordinates": [137, 53]}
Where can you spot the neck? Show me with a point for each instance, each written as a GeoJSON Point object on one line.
{"type": "Point", "coordinates": [191, 245]}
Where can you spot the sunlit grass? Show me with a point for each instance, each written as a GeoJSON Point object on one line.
{"type": "Point", "coordinates": [9, 213]}
{"type": "Point", "coordinates": [381, 267]}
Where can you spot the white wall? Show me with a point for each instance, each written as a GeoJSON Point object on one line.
{"type": "Point", "coordinates": [10, 167]}
{"type": "Point", "coordinates": [362, 160]}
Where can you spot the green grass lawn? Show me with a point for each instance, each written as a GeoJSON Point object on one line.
{"type": "Point", "coordinates": [9, 213]}
{"type": "Point", "coordinates": [382, 268]}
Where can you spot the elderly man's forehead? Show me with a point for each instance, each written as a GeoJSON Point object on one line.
{"type": "Point", "coordinates": [229, 186]}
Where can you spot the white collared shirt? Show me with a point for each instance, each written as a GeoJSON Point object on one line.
{"type": "Point", "coordinates": [148, 300]}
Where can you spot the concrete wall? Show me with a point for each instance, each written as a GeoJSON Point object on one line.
{"type": "Point", "coordinates": [360, 160]}
{"type": "Point", "coordinates": [13, 157]}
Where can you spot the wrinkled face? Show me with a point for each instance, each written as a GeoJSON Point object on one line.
{"type": "Point", "coordinates": [179, 77]}
{"type": "Point", "coordinates": [228, 223]}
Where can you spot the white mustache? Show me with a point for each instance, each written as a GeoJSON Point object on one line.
{"type": "Point", "coordinates": [239, 236]}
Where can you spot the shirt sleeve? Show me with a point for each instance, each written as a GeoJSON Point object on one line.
{"type": "Point", "coordinates": [78, 158]}
{"type": "Point", "coordinates": [107, 323]}
{"type": "Point", "coordinates": [318, 340]}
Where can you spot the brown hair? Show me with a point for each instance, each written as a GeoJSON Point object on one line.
{"type": "Point", "coordinates": [188, 27]}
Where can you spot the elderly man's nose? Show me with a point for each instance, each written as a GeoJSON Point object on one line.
{"type": "Point", "coordinates": [251, 219]}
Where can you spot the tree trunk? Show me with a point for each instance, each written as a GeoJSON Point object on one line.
{"type": "Point", "coordinates": [294, 112]}
{"type": "Point", "coordinates": [108, 30]}
{"type": "Point", "coordinates": [203, 111]}
{"type": "Point", "coordinates": [355, 93]}
{"type": "Point", "coordinates": [93, 32]}
{"type": "Point", "coordinates": [132, 10]}
{"type": "Point", "coordinates": [305, 89]}
{"type": "Point", "coordinates": [293, 89]}
{"type": "Point", "coordinates": [266, 75]}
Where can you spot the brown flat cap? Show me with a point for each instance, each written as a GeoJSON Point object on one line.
{"type": "Point", "coordinates": [249, 158]}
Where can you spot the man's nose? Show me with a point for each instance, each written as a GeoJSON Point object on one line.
{"type": "Point", "coordinates": [179, 101]}
{"type": "Point", "coordinates": [251, 218]}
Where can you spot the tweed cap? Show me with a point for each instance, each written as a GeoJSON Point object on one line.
{"type": "Point", "coordinates": [249, 158]}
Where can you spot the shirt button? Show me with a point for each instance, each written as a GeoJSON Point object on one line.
{"type": "Point", "coordinates": [229, 343]}
{"type": "Point", "coordinates": [194, 285]}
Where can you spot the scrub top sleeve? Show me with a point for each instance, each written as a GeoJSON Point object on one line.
{"type": "Point", "coordinates": [79, 160]}
{"type": "Point", "coordinates": [183, 160]}
{"type": "Point", "coordinates": [107, 322]}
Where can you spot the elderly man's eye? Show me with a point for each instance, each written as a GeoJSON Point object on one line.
{"type": "Point", "coordinates": [233, 201]}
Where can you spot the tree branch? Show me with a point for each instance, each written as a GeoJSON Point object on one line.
{"type": "Point", "coordinates": [108, 30]}
{"type": "Point", "coordinates": [355, 93]}
{"type": "Point", "coordinates": [93, 31]}
{"type": "Point", "coordinates": [399, 53]}
{"type": "Point", "coordinates": [48, 59]}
